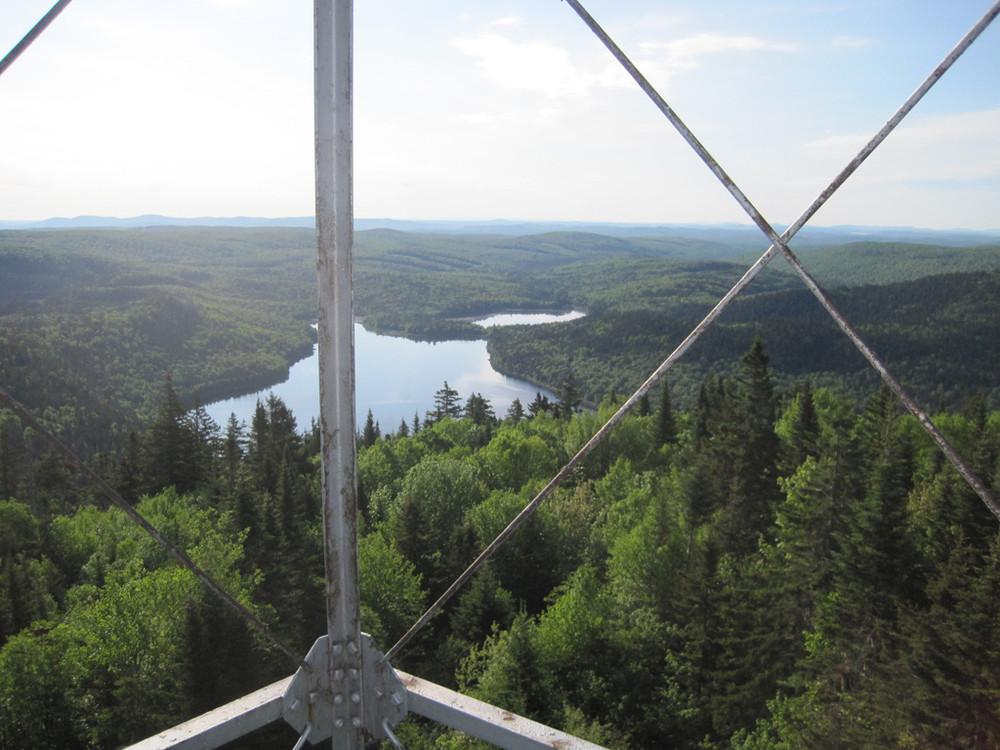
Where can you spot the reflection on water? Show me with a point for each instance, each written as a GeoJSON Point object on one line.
{"type": "Point", "coordinates": [396, 377]}
{"type": "Point", "coordinates": [520, 319]}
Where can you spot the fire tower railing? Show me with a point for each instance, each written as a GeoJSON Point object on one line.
{"type": "Point", "coordinates": [345, 688]}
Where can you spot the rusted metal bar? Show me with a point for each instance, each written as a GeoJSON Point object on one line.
{"type": "Point", "coordinates": [781, 244]}
{"type": "Point", "coordinates": [125, 506]}
{"type": "Point", "coordinates": [32, 35]}
{"type": "Point", "coordinates": [335, 236]}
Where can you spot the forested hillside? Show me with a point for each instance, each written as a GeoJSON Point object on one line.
{"type": "Point", "coordinates": [91, 321]}
{"type": "Point", "coordinates": [773, 568]}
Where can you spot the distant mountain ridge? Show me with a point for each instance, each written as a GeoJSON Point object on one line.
{"type": "Point", "coordinates": [737, 236]}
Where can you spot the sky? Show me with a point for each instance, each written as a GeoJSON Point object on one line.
{"type": "Point", "coordinates": [503, 109]}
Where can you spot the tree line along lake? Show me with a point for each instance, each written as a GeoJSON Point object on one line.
{"type": "Point", "coordinates": [397, 377]}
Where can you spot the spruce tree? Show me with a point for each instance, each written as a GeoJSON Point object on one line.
{"type": "Point", "coordinates": [539, 404]}
{"type": "Point", "coordinates": [446, 403]}
{"type": "Point", "coordinates": [369, 436]}
{"type": "Point", "coordinates": [515, 413]}
{"type": "Point", "coordinates": [167, 452]}
{"type": "Point", "coordinates": [666, 427]}
{"type": "Point", "coordinates": [232, 452]}
{"type": "Point", "coordinates": [803, 437]}
{"type": "Point", "coordinates": [569, 398]}
{"type": "Point", "coordinates": [643, 408]}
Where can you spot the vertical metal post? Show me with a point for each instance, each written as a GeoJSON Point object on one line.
{"type": "Point", "coordinates": [334, 21]}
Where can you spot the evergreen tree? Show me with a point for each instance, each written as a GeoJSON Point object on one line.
{"type": "Point", "coordinates": [167, 452]}
{"type": "Point", "coordinates": [204, 434]}
{"type": "Point", "coordinates": [370, 434]}
{"type": "Point", "coordinates": [404, 429]}
{"type": "Point", "coordinates": [446, 403]}
{"type": "Point", "coordinates": [539, 404]}
{"type": "Point", "coordinates": [232, 452]}
{"type": "Point", "coordinates": [128, 480]}
{"type": "Point", "coordinates": [515, 413]}
{"type": "Point", "coordinates": [755, 444]}
{"type": "Point", "coordinates": [416, 423]}
{"type": "Point", "coordinates": [666, 427]}
{"type": "Point", "coordinates": [569, 398]}
{"type": "Point", "coordinates": [803, 432]}
{"type": "Point", "coordinates": [643, 409]}
{"type": "Point", "coordinates": [480, 410]}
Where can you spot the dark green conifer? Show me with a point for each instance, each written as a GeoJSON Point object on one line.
{"type": "Point", "coordinates": [666, 427]}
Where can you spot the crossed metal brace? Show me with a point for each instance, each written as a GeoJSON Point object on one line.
{"type": "Point", "coordinates": [778, 244]}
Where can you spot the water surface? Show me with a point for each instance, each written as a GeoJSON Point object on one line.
{"type": "Point", "coordinates": [397, 377]}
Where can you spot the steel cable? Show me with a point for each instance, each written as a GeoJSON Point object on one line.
{"type": "Point", "coordinates": [779, 245]}
{"type": "Point", "coordinates": [176, 552]}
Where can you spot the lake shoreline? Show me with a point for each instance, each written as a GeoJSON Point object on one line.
{"type": "Point", "coordinates": [395, 377]}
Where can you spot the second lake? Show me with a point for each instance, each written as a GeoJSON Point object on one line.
{"type": "Point", "coordinates": [397, 378]}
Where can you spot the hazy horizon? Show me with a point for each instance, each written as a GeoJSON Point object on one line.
{"type": "Point", "coordinates": [504, 109]}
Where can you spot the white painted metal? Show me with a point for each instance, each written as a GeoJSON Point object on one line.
{"type": "Point", "coordinates": [475, 718]}
{"type": "Point", "coordinates": [310, 700]}
{"type": "Point", "coordinates": [335, 236]}
{"type": "Point", "coordinates": [221, 725]}
{"type": "Point", "coordinates": [483, 721]}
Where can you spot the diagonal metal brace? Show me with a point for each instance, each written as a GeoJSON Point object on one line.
{"type": "Point", "coordinates": [779, 243]}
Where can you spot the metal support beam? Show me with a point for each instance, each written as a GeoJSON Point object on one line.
{"type": "Point", "coordinates": [335, 236]}
{"type": "Point", "coordinates": [31, 36]}
{"type": "Point", "coordinates": [224, 724]}
{"type": "Point", "coordinates": [475, 718]}
{"type": "Point", "coordinates": [483, 721]}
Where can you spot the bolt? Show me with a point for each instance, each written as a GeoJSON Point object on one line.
{"type": "Point", "coordinates": [337, 648]}
{"type": "Point", "coordinates": [338, 699]}
{"type": "Point", "coordinates": [338, 674]}
{"type": "Point", "coordinates": [356, 722]}
{"type": "Point", "coordinates": [338, 723]}
{"type": "Point", "coordinates": [397, 699]}
{"type": "Point", "coordinates": [355, 698]}
{"type": "Point", "coordinates": [354, 674]}
{"type": "Point", "coordinates": [352, 647]}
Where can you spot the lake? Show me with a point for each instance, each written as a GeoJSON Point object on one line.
{"type": "Point", "coordinates": [397, 377]}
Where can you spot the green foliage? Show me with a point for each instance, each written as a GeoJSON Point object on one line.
{"type": "Point", "coordinates": [391, 595]}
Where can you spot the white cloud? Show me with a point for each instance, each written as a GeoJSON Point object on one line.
{"type": "Point", "coordinates": [545, 68]}
{"type": "Point", "coordinates": [684, 53]}
{"type": "Point", "coordinates": [528, 66]}
{"type": "Point", "coordinates": [506, 21]}
{"type": "Point", "coordinates": [853, 42]}
{"type": "Point", "coordinates": [960, 147]}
